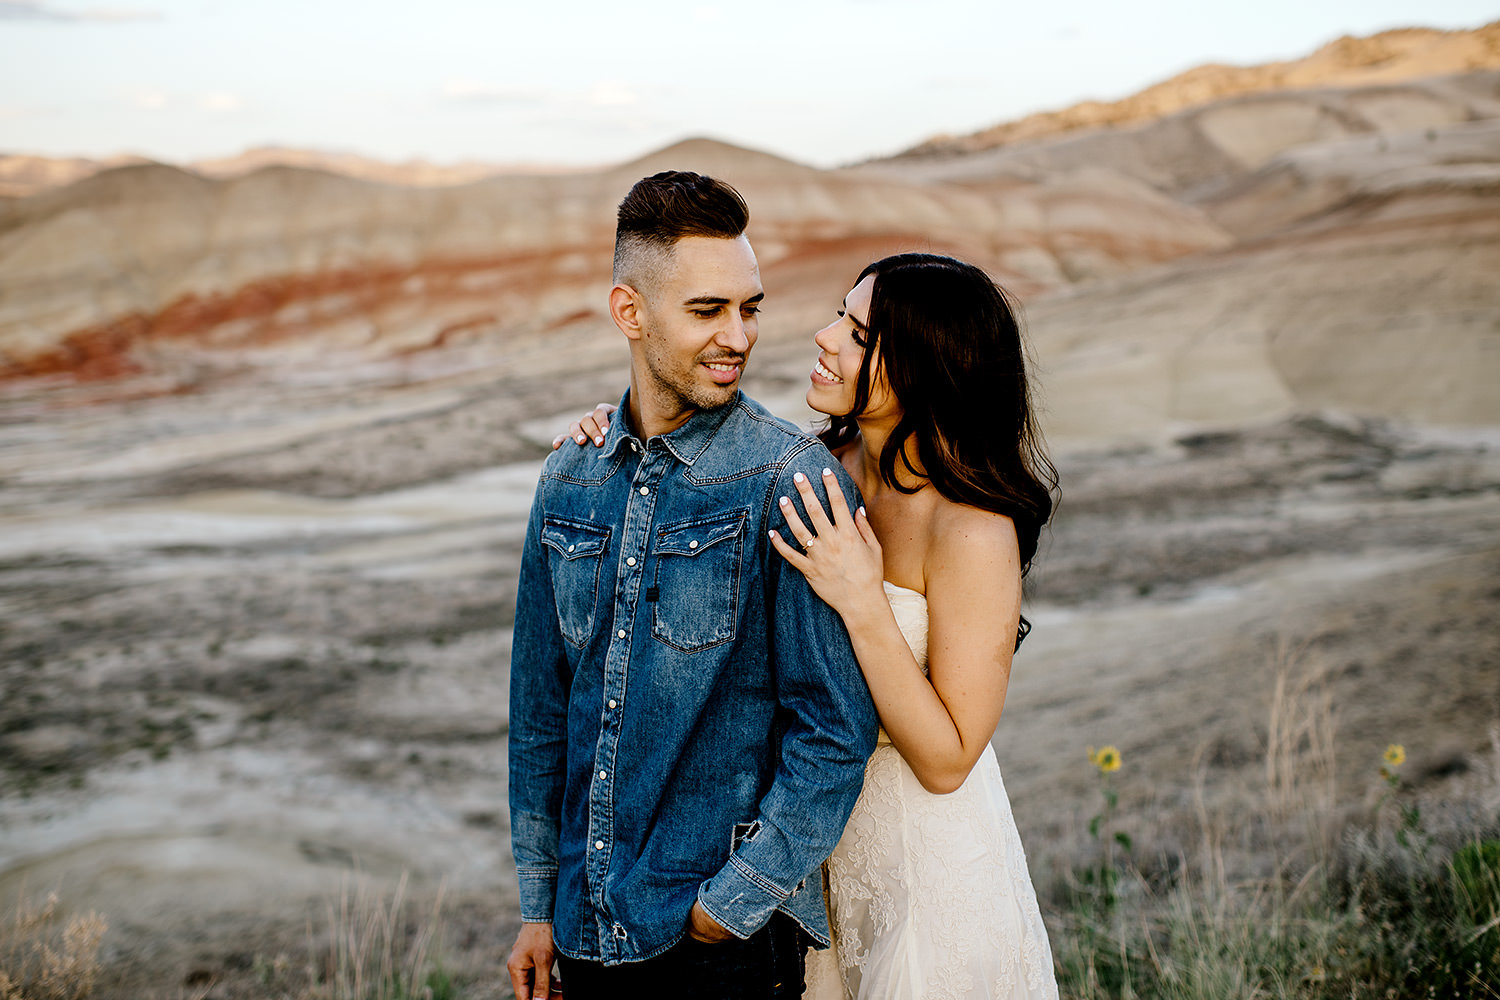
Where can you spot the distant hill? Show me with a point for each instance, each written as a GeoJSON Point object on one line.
{"type": "Point", "coordinates": [23, 174]}
{"type": "Point", "coordinates": [1387, 57]}
{"type": "Point", "coordinates": [152, 268]}
{"type": "Point", "coordinates": [1259, 255]}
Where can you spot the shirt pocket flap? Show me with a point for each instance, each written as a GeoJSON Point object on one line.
{"type": "Point", "coordinates": [702, 533]}
{"type": "Point", "coordinates": [572, 540]}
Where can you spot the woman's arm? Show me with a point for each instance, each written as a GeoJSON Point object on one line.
{"type": "Point", "coordinates": [940, 723]}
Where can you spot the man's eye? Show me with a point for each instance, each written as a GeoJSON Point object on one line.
{"type": "Point", "coordinates": [752, 310]}
{"type": "Point", "coordinates": [706, 313]}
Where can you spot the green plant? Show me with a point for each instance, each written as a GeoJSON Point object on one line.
{"type": "Point", "coordinates": [1104, 877]}
{"type": "Point", "coordinates": [1282, 894]}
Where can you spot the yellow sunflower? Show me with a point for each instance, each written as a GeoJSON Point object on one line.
{"type": "Point", "coordinates": [1106, 759]}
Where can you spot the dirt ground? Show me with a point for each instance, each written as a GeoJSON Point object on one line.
{"type": "Point", "coordinates": [255, 657]}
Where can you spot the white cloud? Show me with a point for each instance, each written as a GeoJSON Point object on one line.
{"type": "Point", "coordinates": [29, 10]}
{"type": "Point", "coordinates": [611, 94]}
{"type": "Point", "coordinates": [119, 15]}
{"type": "Point", "coordinates": [219, 102]}
{"type": "Point", "coordinates": [148, 100]}
{"type": "Point", "coordinates": [462, 91]}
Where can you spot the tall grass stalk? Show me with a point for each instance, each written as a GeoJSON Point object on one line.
{"type": "Point", "coordinates": [376, 951]}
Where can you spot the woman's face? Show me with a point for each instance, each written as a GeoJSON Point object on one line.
{"type": "Point", "coordinates": [835, 376]}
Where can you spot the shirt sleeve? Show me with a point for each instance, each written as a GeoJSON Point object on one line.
{"type": "Point", "coordinates": [828, 731]}
{"type": "Point", "coordinates": [538, 726]}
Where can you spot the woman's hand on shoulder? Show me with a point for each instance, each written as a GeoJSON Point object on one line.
{"type": "Point", "coordinates": [840, 555]}
{"type": "Point", "coordinates": [590, 427]}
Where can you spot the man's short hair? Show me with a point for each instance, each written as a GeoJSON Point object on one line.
{"type": "Point", "coordinates": [664, 208]}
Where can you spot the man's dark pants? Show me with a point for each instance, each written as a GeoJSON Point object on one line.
{"type": "Point", "coordinates": [765, 966]}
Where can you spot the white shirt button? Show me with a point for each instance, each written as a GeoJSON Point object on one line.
{"type": "Point", "coordinates": [621, 633]}
{"type": "Point", "coordinates": [613, 703]}
{"type": "Point", "coordinates": [630, 561]}
{"type": "Point", "coordinates": [603, 775]}
{"type": "Point", "coordinates": [645, 492]}
{"type": "Point", "coordinates": [693, 544]}
{"type": "Point", "coordinates": [572, 547]}
{"type": "Point", "coordinates": [598, 845]}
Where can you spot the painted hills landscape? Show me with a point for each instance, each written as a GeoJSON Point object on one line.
{"type": "Point", "coordinates": [268, 438]}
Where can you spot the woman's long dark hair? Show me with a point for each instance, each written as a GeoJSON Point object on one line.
{"type": "Point", "coordinates": [949, 347]}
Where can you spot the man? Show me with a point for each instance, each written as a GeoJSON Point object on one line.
{"type": "Point", "coordinates": [688, 724]}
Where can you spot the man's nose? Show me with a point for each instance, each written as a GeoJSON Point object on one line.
{"type": "Point", "coordinates": [733, 336]}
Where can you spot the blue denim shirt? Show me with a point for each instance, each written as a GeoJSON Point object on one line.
{"type": "Point", "coordinates": [687, 718]}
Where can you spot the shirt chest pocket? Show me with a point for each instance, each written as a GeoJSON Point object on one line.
{"type": "Point", "coordinates": [699, 564]}
{"type": "Point", "coordinates": [576, 555]}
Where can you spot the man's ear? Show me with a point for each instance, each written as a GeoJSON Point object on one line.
{"type": "Point", "coordinates": [626, 306]}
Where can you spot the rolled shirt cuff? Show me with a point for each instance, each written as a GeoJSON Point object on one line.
{"type": "Point", "coordinates": [739, 898]}
{"type": "Point", "coordinates": [538, 895]}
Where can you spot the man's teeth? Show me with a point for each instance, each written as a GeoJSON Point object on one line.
{"type": "Point", "coordinates": [721, 368]}
{"type": "Point", "coordinates": [825, 373]}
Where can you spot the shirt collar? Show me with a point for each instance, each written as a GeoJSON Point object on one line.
{"type": "Point", "coordinates": [686, 443]}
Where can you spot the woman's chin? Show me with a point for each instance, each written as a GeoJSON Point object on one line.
{"type": "Point", "coordinates": [818, 404]}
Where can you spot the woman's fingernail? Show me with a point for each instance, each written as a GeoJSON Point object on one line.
{"type": "Point", "coordinates": [862, 511]}
{"type": "Point", "coordinates": [827, 472]}
{"type": "Point", "coordinates": [799, 477]}
{"type": "Point", "coordinates": [772, 534]}
{"type": "Point", "coordinates": [579, 439]}
{"type": "Point", "coordinates": [784, 501]}
{"type": "Point", "coordinates": [599, 440]}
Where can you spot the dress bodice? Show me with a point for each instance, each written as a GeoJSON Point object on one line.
{"type": "Point", "coordinates": [910, 608]}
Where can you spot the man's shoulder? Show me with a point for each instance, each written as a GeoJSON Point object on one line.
{"type": "Point", "coordinates": [753, 436]}
{"type": "Point", "coordinates": [570, 480]}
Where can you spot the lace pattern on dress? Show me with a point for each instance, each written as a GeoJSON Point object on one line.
{"type": "Point", "coordinates": [929, 895]}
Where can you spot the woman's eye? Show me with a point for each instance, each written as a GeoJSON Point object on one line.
{"type": "Point", "coordinates": [859, 338]}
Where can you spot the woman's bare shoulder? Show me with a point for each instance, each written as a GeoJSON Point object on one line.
{"type": "Point", "coordinates": [969, 544]}
{"type": "Point", "coordinates": [951, 524]}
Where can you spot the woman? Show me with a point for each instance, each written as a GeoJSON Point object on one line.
{"type": "Point", "coordinates": [923, 377]}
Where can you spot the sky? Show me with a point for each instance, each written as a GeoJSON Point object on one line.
{"type": "Point", "coordinates": [585, 82]}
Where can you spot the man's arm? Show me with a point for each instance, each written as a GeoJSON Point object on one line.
{"type": "Point", "coordinates": [830, 733]}
{"type": "Point", "coordinates": [538, 753]}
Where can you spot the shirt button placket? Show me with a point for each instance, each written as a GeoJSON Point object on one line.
{"type": "Point", "coordinates": [634, 540]}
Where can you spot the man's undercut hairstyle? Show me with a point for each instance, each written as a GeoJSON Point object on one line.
{"type": "Point", "coordinates": [664, 208]}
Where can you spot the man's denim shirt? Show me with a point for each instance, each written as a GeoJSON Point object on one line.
{"type": "Point", "coordinates": [687, 718]}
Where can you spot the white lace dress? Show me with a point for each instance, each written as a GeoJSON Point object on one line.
{"type": "Point", "coordinates": [929, 896]}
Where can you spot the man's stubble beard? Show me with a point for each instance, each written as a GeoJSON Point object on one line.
{"type": "Point", "coordinates": [681, 388]}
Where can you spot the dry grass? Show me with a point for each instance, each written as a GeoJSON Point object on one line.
{"type": "Point", "coordinates": [40, 960]}
{"type": "Point", "coordinates": [1287, 891]}
{"type": "Point", "coordinates": [377, 949]}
